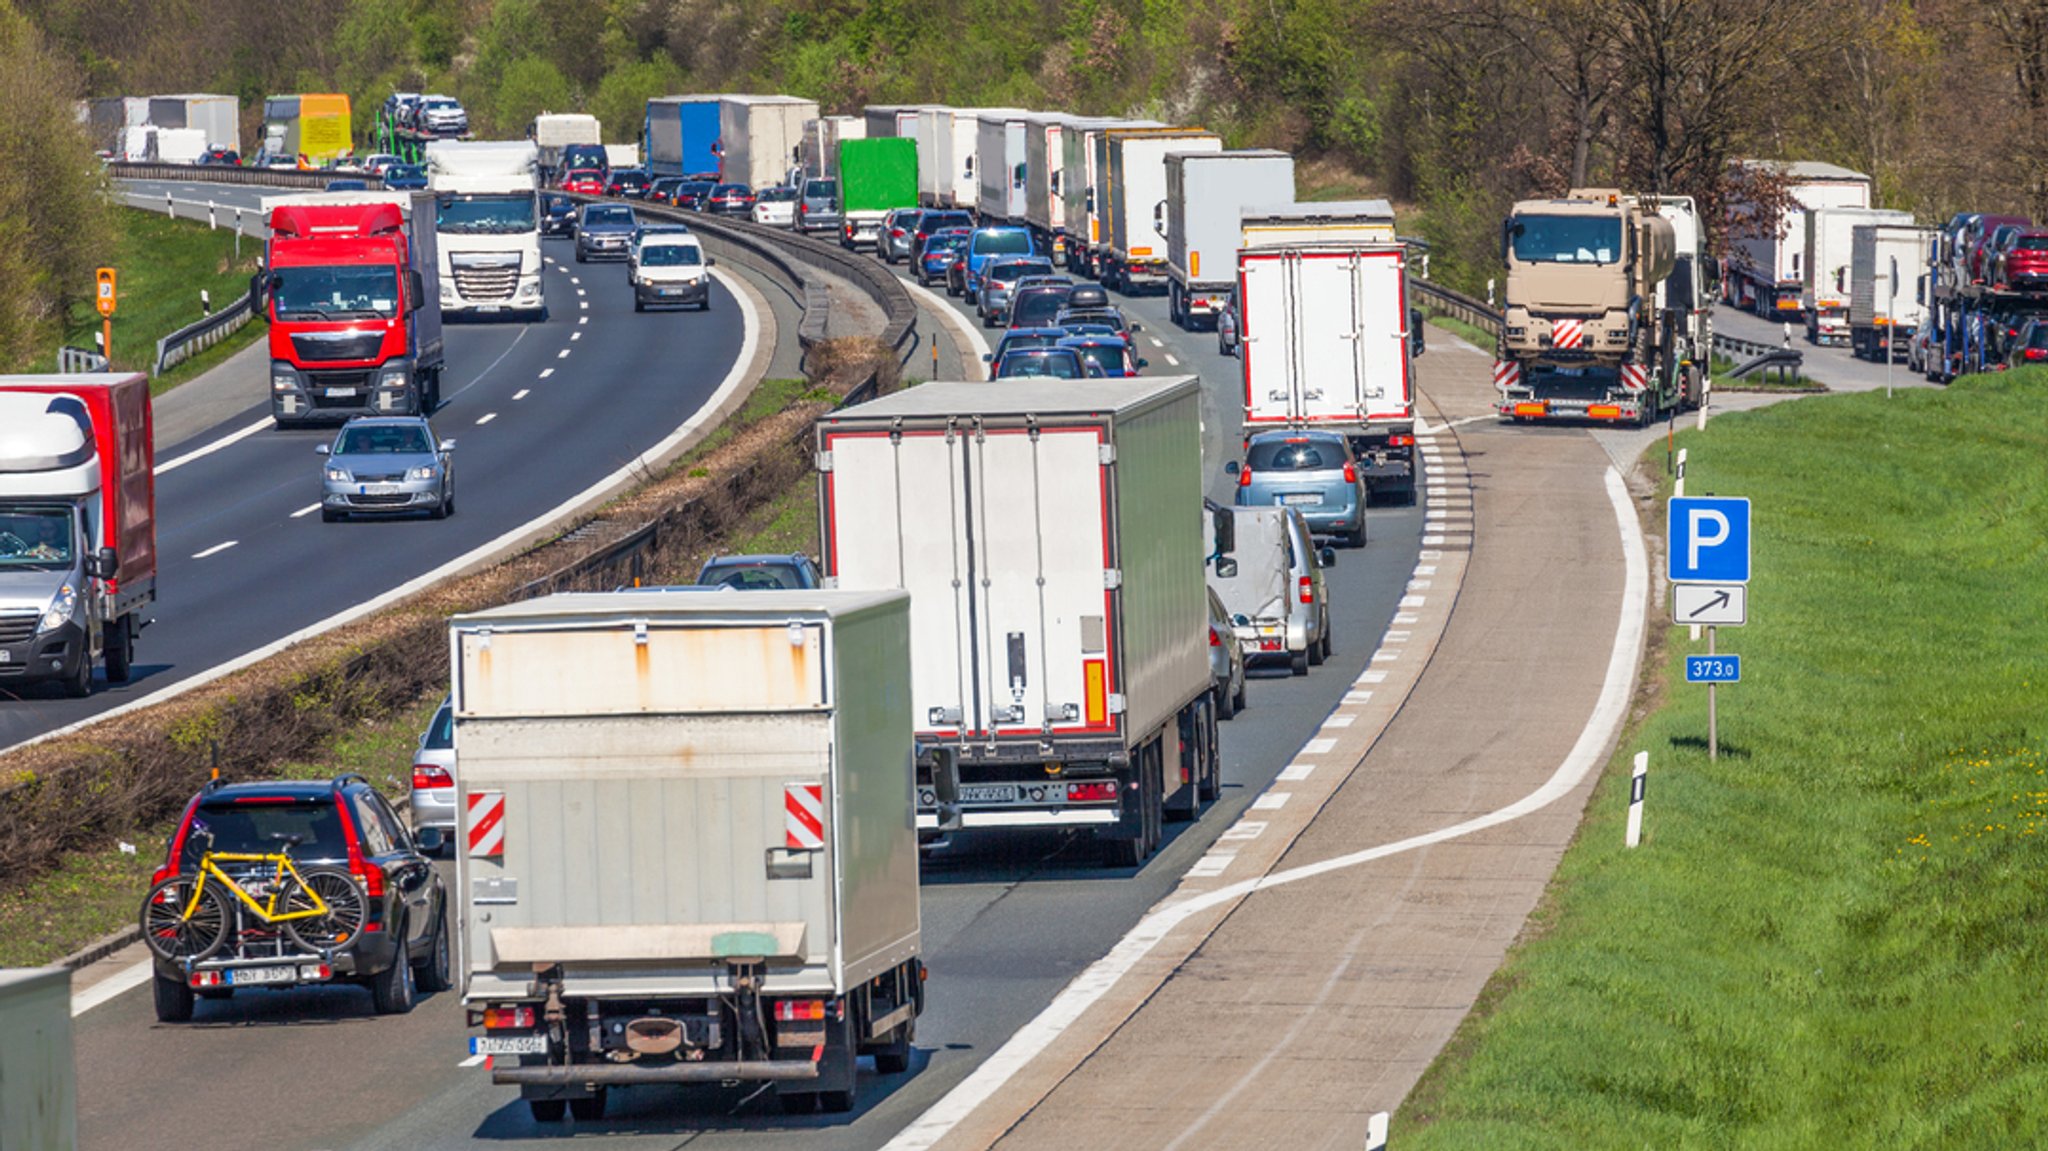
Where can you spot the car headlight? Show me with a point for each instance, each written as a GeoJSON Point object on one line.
{"type": "Point", "coordinates": [423, 472]}
{"type": "Point", "coordinates": [59, 612]}
{"type": "Point", "coordinates": [448, 291]}
{"type": "Point", "coordinates": [338, 476]}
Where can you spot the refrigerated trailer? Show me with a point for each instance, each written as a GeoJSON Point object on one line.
{"type": "Point", "coordinates": [1132, 169]}
{"type": "Point", "coordinates": [1206, 195]}
{"type": "Point", "coordinates": [1000, 158]}
{"type": "Point", "coordinates": [1081, 187]}
{"type": "Point", "coordinates": [1829, 269]}
{"type": "Point", "coordinates": [1050, 536]}
{"type": "Point", "coordinates": [687, 852]}
{"type": "Point", "coordinates": [1327, 340]}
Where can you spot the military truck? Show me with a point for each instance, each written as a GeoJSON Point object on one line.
{"type": "Point", "coordinates": [1584, 333]}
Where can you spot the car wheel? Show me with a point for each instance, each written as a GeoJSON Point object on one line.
{"type": "Point", "coordinates": [639, 305]}
{"type": "Point", "coordinates": [1320, 648]}
{"type": "Point", "coordinates": [1355, 538]}
{"type": "Point", "coordinates": [580, 257]}
{"type": "Point", "coordinates": [547, 1110]}
{"type": "Point", "coordinates": [1239, 702]}
{"type": "Point", "coordinates": [391, 989]}
{"type": "Point", "coordinates": [1298, 663]}
{"type": "Point", "coordinates": [1326, 645]}
{"type": "Point", "coordinates": [434, 974]}
{"type": "Point", "coordinates": [448, 501]}
{"type": "Point", "coordinates": [1225, 705]}
{"type": "Point", "coordinates": [440, 511]}
{"type": "Point", "coordinates": [173, 1000]}
{"type": "Point", "coordinates": [589, 1108]}
{"type": "Point", "coordinates": [78, 684]}
{"type": "Point", "coordinates": [705, 305]}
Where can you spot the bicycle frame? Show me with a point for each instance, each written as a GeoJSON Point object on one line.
{"type": "Point", "coordinates": [282, 866]}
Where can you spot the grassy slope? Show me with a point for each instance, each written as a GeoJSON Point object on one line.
{"type": "Point", "coordinates": [1832, 937]}
{"type": "Point", "coordinates": [163, 264]}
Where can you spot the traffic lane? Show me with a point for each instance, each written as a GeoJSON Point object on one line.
{"type": "Point", "coordinates": [623, 386]}
{"type": "Point", "coordinates": [1838, 368]}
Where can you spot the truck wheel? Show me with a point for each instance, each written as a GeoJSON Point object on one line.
{"type": "Point", "coordinates": [893, 1057]}
{"type": "Point", "coordinates": [1298, 663]}
{"type": "Point", "coordinates": [547, 1110]}
{"type": "Point", "coordinates": [589, 1108]}
{"type": "Point", "coordinates": [120, 650]}
{"type": "Point", "coordinates": [846, 1048]}
{"type": "Point", "coordinates": [173, 1000]}
{"type": "Point", "coordinates": [1173, 307]}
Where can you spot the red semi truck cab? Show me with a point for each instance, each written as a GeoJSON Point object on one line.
{"type": "Point", "coordinates": [351, 291]}
{"type": "Point", "coordinates": [77, 526]}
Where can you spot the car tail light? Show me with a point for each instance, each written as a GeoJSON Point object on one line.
{"type": "Point", "coordinates": [1214, 639]}
{"type": "Point", "coordinates": [799, 1010]}
{"type": "Point", "coordinates": [508, 1018]}
{"type": "Point", "coordinates": [1091, 792]}
{"type": "Point", "coordinates": [427, 776]}
{"type": "Point", "coordinates": [2037, 353]}
{"type": "Point", "coordinates": [1308, 589]}
{"type": "Point", "coordinates": [896, 232]}
{"type": "Point", "coordinates": [1244, 478]}
{"type": "Point", "coordinates": [367, 873]}
{"type": "Point", "coordinates": [170, 866]}
{"type": "Point", "coordinates": [1350, 472]}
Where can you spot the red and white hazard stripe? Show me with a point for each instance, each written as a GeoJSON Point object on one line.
{"type": "Point", "coordinates": [1506, 374]}
{"type": "Point", "coordinates": [1635, 377]}
{"type": "Point", "coordinates": [486, 824]}
{"type": "Point", "coordinates": [1567, 333]}
{"type": "Point", "coordinates": [803, 816]}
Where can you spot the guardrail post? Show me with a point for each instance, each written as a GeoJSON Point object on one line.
{"type": "Point", "coordinates": [212, 224]}
{"type": "Point", "coordinates": [170, 206]}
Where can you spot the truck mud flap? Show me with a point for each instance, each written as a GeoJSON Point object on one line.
{"type": "Point", "coordinates": [628, 1074]}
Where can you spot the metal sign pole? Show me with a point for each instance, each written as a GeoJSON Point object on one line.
{"type": "Point", "coordinates": [1713, 718]}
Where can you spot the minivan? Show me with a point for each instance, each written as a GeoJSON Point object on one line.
{"type": "Point", "coordinates": [1270, 579]}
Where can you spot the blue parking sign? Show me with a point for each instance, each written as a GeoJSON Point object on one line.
{"type": "Point", "coordinates": [1709, 538]}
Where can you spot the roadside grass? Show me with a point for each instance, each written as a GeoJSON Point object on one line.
{"type": "Point", "coordinates": [768, 398]}
{"type": "Point", "coordinates": [1478, 337]}
{"type": "Point", "coordinates": [162, 265]}
{"type": "Point", "coordinates": [96, 892]}
{"type": "Point", "coordinates": [1832, 937]}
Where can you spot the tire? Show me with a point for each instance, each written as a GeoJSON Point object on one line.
{"type": "Point", "coordinates": [590, 1108]}
{"type": "Point", "coordinates": [893, 1057]}
{"type": "Point", "coordinates": [1242, 700]}
{"type": "Point", "coordinates": [347, 911]}
{"type": "Point", "coordinates": [1327, 645]}
{"type": "Point", "coordinates": [1298, 663]}
{"type": "Point", "coordinates": [1320, 648]}
{"type": "Point", "coordinates": [547, 1110]}
{"type": "Point", "coordinates": [175, 938]}
{"type": "Point", "coordinates": [440, 510]}
{"type": "Point", "coordinates": [392, 990]}
{"type": "Point", "coordinates": [450, 501]}
{"type": "Point", "coordinates": [639, 305]}
{"type": "Point", "coordinates": [706, 305]}
{"type": "Point", "coordinates": [1226, 705]}
{"type": "Point", "coordinates": [841, 1100]}
{"type": "Point", "coordinates": [120, 650]}
{"type": "Point", "coordinates": [798, 1102]}
{"type": "Point", "coordinates": [581, 258]}
{"type": "Point", "coordinates": [1355, 538]}
{"type": "Point", "coordinates": [78, 684]}
{"type": "Point", "coordinates": [435, 974]}
{"type": "Point", "coordinates": [173, 1000]}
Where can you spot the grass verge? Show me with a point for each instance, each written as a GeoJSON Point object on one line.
{"type": "Point", "coordinates": [163, 265]}
{"type": "Point", "coordinates": [1478, 337]}
{"type": "Point", "coordinates": [1831, 937]}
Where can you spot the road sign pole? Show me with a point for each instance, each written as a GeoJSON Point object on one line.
{"type": "Point", "coordinates": [1713, 718]}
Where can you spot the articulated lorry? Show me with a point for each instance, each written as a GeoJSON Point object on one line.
{"type": "Point", "coordinates": [1131, 166]}
{"type": "Point", "coordinates": [351, 288]}
{"type": "Point", "coordinates": [1081, 187]}
{"type": "Point", "coordinates": [305, 131]}
{"type": "Point", "coordinates": [1327, 338]}
{"type": "Point", "coordinates": [77, 527]}
{"type": "Point", "coordinates": [1050, 536]}
{"type": "Point", "coordinates": [1887, 287]}
{"type": "Point", "coordinates": [1000, 158]}
{"type": "Point", "coordinates": [218, 118]}
{"type": "Point", "coordinates": [1587, 330]}
{"type": "Point", "coordinates": [1829, 269]}
{"type": "Point", "coordinates": [687, 852]}
{"type": "Point", "coordinates": [1766, 271]}
{"type": "Point", "coordinates": [822, 138]}
{"type": "Point", "coordinates": [487, 227]}
{"type": "Point", "coordinates": [876, 176]}
{"type": "Point", "coordinates": [761, 137]}
{"type": "Point", "coordinates": [681, 134]}
{"type": "Point", "coordinates": [1203, 218]}
{"type": "Point", "coordinates": [880, 121]}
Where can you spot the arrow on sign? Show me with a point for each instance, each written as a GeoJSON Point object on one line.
{"type": "Point", "coordinates": [1719, 600]}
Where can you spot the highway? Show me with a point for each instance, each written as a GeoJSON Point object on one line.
{"type": "Point", "coordinates": [539, 411]}
{"type": "Point", "coordinates": [1008, 921]}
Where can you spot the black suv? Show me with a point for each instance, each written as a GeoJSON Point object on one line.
{"type": "Point", "coordinates": [388, 924]}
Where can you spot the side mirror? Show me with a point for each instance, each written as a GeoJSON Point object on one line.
{"type": "Point", "coordinates": [416, 287]}
{"type": "Point", "coordinates": [1416, 344]}
{"type": "Point", "coordinates": [1226, 567]}
{"type": "Point", "coordinates": [1136, 326]}
{"type": "Point", "coordinates": [106, 564]}
{"type": "Point", "coordinates": [259, 295]}
{"type": "Point", "coordinates": [1232, 468]}
{"type": "Point", "coordinates": [1327, 557]}
{"type": "Point", "coordinates": [1143, 362]}
{"type": "Point", "coordinates": [988, 357]}
{"type": "Point", "coordinates": [430, 840]}
{"type": "Point", "coordinates": [1159, 217]}
{"type": "Point", "coordinates": [319, 449]}
{"type": "Point", "coordinates": [711, 261]}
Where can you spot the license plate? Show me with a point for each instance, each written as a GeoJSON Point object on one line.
{"type": "Point", "coordinates": [376, 489]}
{"type": "Point", "coordinates": [340, 393]}
{"type": "Point", "coordinates": [1003, 794]}
{"type": "Point", "coordinates": [490, 307]}
{"type": "Point", "coordinates": [6, 656]}
{"type": "Point", "coordinates": [508, 1045]}
{"type": "Point", "coordinates": [245, 976]}
{"type": "Point", "coordinates": [671, 291]}
{"type": "Point", "coordinates": [1302, 498]}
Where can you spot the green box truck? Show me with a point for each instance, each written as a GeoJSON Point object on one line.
{"type": "Point", "coordinates": [876, 176]}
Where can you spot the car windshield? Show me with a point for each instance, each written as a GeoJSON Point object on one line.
{"type": "Point", "coordinates": [776, 195]}
{"type": "Point", "coordinates": [935, 221]}
{"type": "Point", "coordinates": [262, 825]}
{"type": "Point", "coordinates": [1038, 306]}
{"type": "Point", "coordinates": [752, 577]}
{"type": "Point", "coordinates": [333, 293]}
{"type": "Point", "coordinates": [670, 256]}
{"type": "Point", "coordinates": [629, 179]}
{"type": "Point", "coordinates": [484, 215]}
{"type": "Point", "coordinates": [1108, 318]}
{"type": "Point", "coordinates": [1293, 455]}
{"type": "Point", "coordinates": [952, 243]}
{"type": "Point", "coordinates": [1109, 358]}
{"type": "Point", "coordinates": [583, 156]}
{"type": "Point", "coordinates": [560, 204]}
{"type": "Point", "coordinates": [608, 216]}
{"type": "Point", "coordinates": [1567, 239]}
{"type": "Point", "coordinates": [2032, 244]}
{"type": "Point", "coordinates": [582, 174]}
{"type": "Point", "coordinates": [383, 440]}
{"type": "Point", "coordinates": [403, 172]}
{"type": "Point", "coordinates": [35, 537]}
{"type": "Point", "coordinates": [1018, 343]}
{"type": "Point", "coordinates": [821, 189]}
{"type": "Point", "coordinates": [1059, 363]}
{"type": "Point", "coordinates": [1001, 243]}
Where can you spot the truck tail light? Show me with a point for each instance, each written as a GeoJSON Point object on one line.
{"type": "Point", "coordinates": [1308, 589]}
{"type": "Point", "coordinates": [1350, 472]}
{"type": "Point", "coordinates": [1399, 441]}
{"type": "Point", "coordinates": [508, 1018]}
{"type": "Point", "coordinates": [426, 777]}
{"type": "Point", "coordinates": [799, 1010]}
{"type": "Point", "coordinates": [1091, 792]}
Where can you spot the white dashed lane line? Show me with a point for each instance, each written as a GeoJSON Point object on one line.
{"type": "Point", "coordinates": [215, 549]}
{"type": "Point", "coordinates": [308, 510]}
{"type": "Point", "coordinates": [546, 372]}
{"type": "Point", "coordinates": [520, 394]}
{"type": "Point", "coordinates": [486, 418]}
{"type": "Point", "coordinates": [563, 354]}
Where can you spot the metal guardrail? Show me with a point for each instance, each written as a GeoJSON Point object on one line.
{"type": "Point", "coordinates": [74, 361]}
{"type": "Point", "coordinates": [222, 174]}
{"type": "Point", "coordinates": [200, 335]}
{"type": "Point", "coordinates": [1458, 306]}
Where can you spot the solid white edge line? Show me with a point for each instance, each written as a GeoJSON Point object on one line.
{"type": "Point", "coordinates": [112, 987]}
{"type": "Point", "coordinates": [944, 307]}
{"type": "Point", "coordinates": [515, 539]}
{"type": "Point", "coordinates": [231, 438]}
{"type": "Point", "coordinates": [1101, 976]}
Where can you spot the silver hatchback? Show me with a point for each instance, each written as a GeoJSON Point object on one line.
{"type": "Point", "coordinates": [433, 775]}
{"type": "Point", "coordinates": [1311, 472]}
{"type": "Point", "coordinates": [387, 465]}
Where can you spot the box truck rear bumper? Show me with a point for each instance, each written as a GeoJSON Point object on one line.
{"type": "Point", "coordinates": [628, 1074]}
{"type": "Point", "coordinates": [1075, 817]}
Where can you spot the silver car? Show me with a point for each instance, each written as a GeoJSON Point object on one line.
{"type": "Point", "coordinates": [387, 465]}
{"type": "Point", "coordinates": [1226, 660]}
{"type": "Point", "coordinates": [1312, 472]}
{"type": "Point", "coordinates": [1270, 579]}
{"type": "Point", "coordinates": [433, 776]}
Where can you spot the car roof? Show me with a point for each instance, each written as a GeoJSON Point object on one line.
{"type": "Point", "coordinates": [1291, 435]}
{"type": "Point", "coordinates": [759, 558]}
{"type": "Point", "coordinates": [1094, 340]}
{"type": "Point", "coordinates": [272, 789]}
{"type": "Point", "coordinates": [386, 422]}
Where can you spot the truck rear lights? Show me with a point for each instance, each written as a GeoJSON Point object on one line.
{"type": "Point", "coordinates": [1103, 792]}
{"type": "Point", "coordinates": [1308, 589]}
{"type": "Point", "coordinates": [799, 1010]}
{"type": "Point", "coordinates": [508, 1018]}
{"type": "Point", "coordinates": [1532, 409]}
{"type": "Point", "coordinates": [1603, 412]}
{"type": "Point", "coordinates": [1400, 441]}
{"type": "Point", "coordinates": [427, 776]}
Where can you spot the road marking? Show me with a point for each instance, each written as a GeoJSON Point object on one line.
{"type": "Point", "coordinates": [576, 280]}
{"type": "Point", "coordinates": [1295, 773]}
{"type": "Point", "coordinates": [583, 319]}
{"type": "Point", "coordinates": [1104, 974]}
{"type": "Point", "coordinates": [580, 292]}
{"type": "Point", "coordinates": [1395, 637]}
{"type": "Point", "coordinates": [224, 441]}
{"type": "Point", "coordinates": [308, 510]}
{"type": "Point", "coordinates": [215, 549]}
{"type": "Point", "coordinates": [563, 354]}
{"type": "Point", "coordinates": [1271, 801]}
{"type": "Point", "coordinates": [1413, 600]}
{"type": "Point", "coordinates": [1212, 864]}
{"type": "Point", "coordinates": [486, 418]}
{"type": "Point", "coordinates": [1406, 617]}
{"type": "Point", "coordinates": [574, 336]}
{"type": "Point", "coordinates": [1357, 697]}
{"type": "Point", "coordinates": [473, 1061]}
{"type": "Point", "coordinates": [1425, 570]}
{"type": "Point", "coordinates": [1318, 746]}
{"type": "Point", "coordinates": [113, 986]}
{"type": "Point", "coordinates": [546, 372]}
{"type": "Point", "coordinates": [1243, 829]}
{"type": "Point", "coordinates": [1386, 656]}
{"type": "Point", "coordinates": [1340, 721]}
{"type": "Point", "coordinates": [1173, 359]}
{"type": "Point", "coordinates": [583, 303]}
{"type": "Point", "coordinates": [1372, 677]}
{"type": "Point", "coordinates": [520, 394]}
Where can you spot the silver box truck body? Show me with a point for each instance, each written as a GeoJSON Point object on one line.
{"type": "Point", "coordinates": [762, 136]}
{"type": "Point", "coordinates": [1206, 195]}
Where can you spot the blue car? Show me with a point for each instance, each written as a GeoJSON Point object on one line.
{"type": "Point", "coordinates": [987, 244]}
{"type": "Point", "coordinates": [405, 177]}
{"type": "Point", "coordinates": [940, 252]}
{"type": "Point", "coordinates": [1313, 473]}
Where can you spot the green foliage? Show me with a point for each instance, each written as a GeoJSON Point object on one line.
{"type": "Point", "coordinates": [530, 86]}
{"type": "Point", "coordinates": [620, 102]}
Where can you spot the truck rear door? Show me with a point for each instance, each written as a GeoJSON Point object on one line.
{"type": "Point", "coordinates": [1325, 336]}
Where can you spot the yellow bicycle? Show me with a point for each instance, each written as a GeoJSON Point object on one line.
{"type": "Point", "coordinates": [187, 918]}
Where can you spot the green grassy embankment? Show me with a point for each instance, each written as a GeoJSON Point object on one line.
{"type": "Point", "coordinates": [163, 264]}
{"type": "Point", "coordinates": [1834, 936]}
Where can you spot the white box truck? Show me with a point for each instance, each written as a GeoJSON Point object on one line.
{"type": "Point", "coordinates": [1044, 158]}
{"type": "Point", "coordinates": [1327, 341]}
{"type": "Point", "coordinates": [1886, 263]}
{"type": "Point", "coordinates": [553, 131]}
{"type": "Point", "coordinates": [217, 117]}
{"type": "Point", "coordinates": [1206, 194]}
{"type": "Point", "coordinates": [1050, 536]}
{"type": "Point", "coordinates": [938, 181]}
{"type": "Point", "coordinates": [999, 156]}
{"type": "Point", "coordinates": [687, 851]}
{"type": "Point", "coordinates": [487, 219]}
{"type": "Point", "coordinates": [762, 137]}
{"type": "Point", "coordinates": [1081, 185]}
{"type": "Point", "coordinates": [1828, 270]}
{"type": "Point", "coordinates": [1765, 271]}
{"type": "Point", "coordinates": [1133, 165]}
{"type": "Point", "coordinates": [821, 143]}
{"type": "Point", "coordinates": [180, 145]}
{"type": "Point", "coordinates": [880, 120]}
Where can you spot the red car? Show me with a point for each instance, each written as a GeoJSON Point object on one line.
{"type": "Point", "coordinates": [584, 181]}
{"type": "Point", "coordinates": [2024, 264]}
{"type": "Point", "coordinates": [1978, 236]}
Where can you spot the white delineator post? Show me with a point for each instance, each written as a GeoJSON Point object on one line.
{"type": "Point", "coordinates": [1376, 1132]}
{"type": "Point", "coordinates": [1678, 492]}
{"type": "Point", "coordinates": [1638, 781]}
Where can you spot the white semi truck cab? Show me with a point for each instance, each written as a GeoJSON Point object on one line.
{"type": "Point", "coordinates": [487, 218]}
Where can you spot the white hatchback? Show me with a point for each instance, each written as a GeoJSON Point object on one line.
{"type": "Point", "coordinates": [669, 268]}
{"type": "Point", "coordinates": [775, 207]}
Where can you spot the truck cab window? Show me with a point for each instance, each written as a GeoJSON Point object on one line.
{"type": "Point", "coordinates": [35, 536]}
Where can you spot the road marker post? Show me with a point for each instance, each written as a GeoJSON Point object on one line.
{"type": "Point", "coordinates": [1376, 1132]}
{"type": "Point", "coordinates": [212, 222]}
{"type": "Point", "coordinates": [1638, 782]}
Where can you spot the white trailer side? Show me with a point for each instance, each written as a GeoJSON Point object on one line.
{"type": "Point", "coordinates": [1828, 267]}
{"type": "Point", "coordinates": [1136, 212]}
{"type": "Point", "coordinates": [999, 154]}
{"type": "Point", "coordinates": [1885, 305]}
{"type": "Point", "coordinates": [762, 136]}
{"type": "Point", "coordinates": [1206, 194]}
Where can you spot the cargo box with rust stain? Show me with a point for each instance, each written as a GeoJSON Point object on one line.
{"type": "Point", "coordinates": [688, 823]}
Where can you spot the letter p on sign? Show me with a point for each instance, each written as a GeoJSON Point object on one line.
{"type": "Point", "coordinates": [1709, 539]}
{"type": "Point", "coordinates": [1707, 529]}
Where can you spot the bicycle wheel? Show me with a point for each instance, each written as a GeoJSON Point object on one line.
{"type": "Point", "coordinates": [333, 931]}
{"type": "Point", "coordinates": [175, 936]}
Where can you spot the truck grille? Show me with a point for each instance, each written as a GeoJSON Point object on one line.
{"type": "Point", "coordinates": [326, 347]}
{"type": "Point", "coordinates": [487, 281]}
{"type": "Point", "coordinates": [317, 384]}
{"type": "Point", "coordinates": [17, 628]}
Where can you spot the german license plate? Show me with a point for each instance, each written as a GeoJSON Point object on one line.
{"type": "Point", "coordinates": [340, 393]}
{"type": "Point", "coordinates": [1302, 498]}
{"type": "Point", "coordinates": [1003, 794]}
{"type": "Point", "coordinates": [6, 656]}
{"type": "Point", "coordinates": [487, 308]}
{"type": "Point", "coordinates": [376, 489]}
{"type": "Point", "coordinates": [508, 1045]}
{"type": "Point", "coordinates": [671, 291]}
{"type": "Point", "coordinates": [248, 976]}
